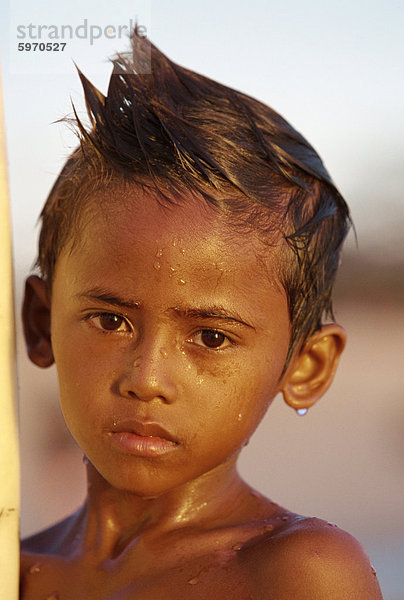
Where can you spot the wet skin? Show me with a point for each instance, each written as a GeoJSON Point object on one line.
{"type": "Point", "coordinates": [170, 333]}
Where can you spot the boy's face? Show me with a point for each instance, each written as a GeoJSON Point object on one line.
{"type": "Point", "coordinates": [165, 324]}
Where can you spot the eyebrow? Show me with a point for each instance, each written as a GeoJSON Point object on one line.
{"type": "Point", "coordinates": [107, 297]}
{"type": "Point", "coordinates": [211, 312]}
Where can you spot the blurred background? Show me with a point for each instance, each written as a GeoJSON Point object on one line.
{"type": "Point", "coordinates": [335, 71]}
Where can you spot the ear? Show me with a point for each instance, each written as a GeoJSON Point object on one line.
{"type": "Point", "coordinates": [312, 369]}
{"type": "Point", "coordinates": [36, 322]}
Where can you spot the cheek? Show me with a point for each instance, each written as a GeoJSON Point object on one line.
{"type": "Point", "coordinates": [259, 384]}
{"type": "Point", "coordinates": [239, 399]}
{"type": "Point", "coordinates": [82, 377]}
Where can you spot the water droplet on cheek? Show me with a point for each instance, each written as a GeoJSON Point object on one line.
{"type": "Point", "coordinates": [163, 352]}
{"type": "Point", "coordinates": [159, 253]}
{"type": "Point", "coordinates": [239, 417]}
{"type": "Point", "coordinates": [237, 546]}
{"type": "Point", "coordinates": [193, 580]}
{"type": "Point", "coordinates": [181, 282]}
{"type": "Point", "coordinates": [157, 265]}
{"type": "Point", "coordinates": [53, 596]}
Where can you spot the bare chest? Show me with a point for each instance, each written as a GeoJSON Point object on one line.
{"type": "Point", "coordinates": [223, 574]}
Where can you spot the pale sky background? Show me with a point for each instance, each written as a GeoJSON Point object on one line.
{"type": "Point", "coordinates": [335, 70]}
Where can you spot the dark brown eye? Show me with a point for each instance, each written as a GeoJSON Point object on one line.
{"type": "Point", "coordinates": [109, 322]}
{"type": "Point", "coordinates": [212, 338]}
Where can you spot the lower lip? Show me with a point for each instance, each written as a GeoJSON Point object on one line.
{"type": "Point", "coordinates": [147, 446]}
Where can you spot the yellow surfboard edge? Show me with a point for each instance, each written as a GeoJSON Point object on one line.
{"type": "Point", "coordinates": [9, 454]}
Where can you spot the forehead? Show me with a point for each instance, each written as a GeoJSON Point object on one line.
{"type": "Point", "coordinates": [186, 250]}
{"type": "Point", "coordinates": [124, 214]}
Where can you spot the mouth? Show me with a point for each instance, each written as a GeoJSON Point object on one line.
{"type": "Point", "coordinates": [142, 438]}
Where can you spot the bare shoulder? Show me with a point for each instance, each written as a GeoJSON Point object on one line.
{"type": "Point", "coordinates": [311, 559]}
{"type": "Point", "coordinates": [48, 540]}
{"type": "Point", "coordinates": [42, 556]}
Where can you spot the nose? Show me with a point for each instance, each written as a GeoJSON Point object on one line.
{"type": "Point", "coordinates": [150, 373]}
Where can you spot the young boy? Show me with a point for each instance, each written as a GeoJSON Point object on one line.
{"type": "Point", "coordinates": [187, 255]}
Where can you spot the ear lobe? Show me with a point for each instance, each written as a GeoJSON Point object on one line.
{"type": "Point", "coordinates": [36, 322]}
{"type": "Point", "coordinates": [313, 368]}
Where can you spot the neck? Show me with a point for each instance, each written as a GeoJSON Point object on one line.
{"type": "Point", "coordinates": [111, 518]}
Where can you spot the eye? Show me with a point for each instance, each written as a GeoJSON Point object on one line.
{"type": "Point", "coordinates": [109, 322]}
{"type": "Point", "coordinates": [211, 338]}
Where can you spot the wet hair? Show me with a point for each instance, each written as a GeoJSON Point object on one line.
{"type": "Point", "coordinates": [173, 130]}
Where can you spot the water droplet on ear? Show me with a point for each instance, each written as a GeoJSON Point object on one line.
{"type": "Point", "coordinates": [237, 546]}
{"type": "Point", "coordinates": [163, 352]}
{"type": "Point", "coordinates": [182, 251]}
{"type": "Point", "coordinates": [301, 411]}
{"type": "Point", "coordinates": [157, 265]}
{"type": "Point", "coordinates": [172, 269]}
{"type": "Point", "coordinates": [174, 243]}
{"type": "Point", "coordinates": [159, 253]}
{"type": "Point", "coordinates": [182, 281]}
{"type": "Point", "coordinates": [268, 527]}
{"type": "Point", "coordinates": [239, 417]}
{"type": "Point", "coordinates": [193, 580]}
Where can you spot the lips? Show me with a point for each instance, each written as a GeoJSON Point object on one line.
{"type": "Point", "coordinates": [142, 438]}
